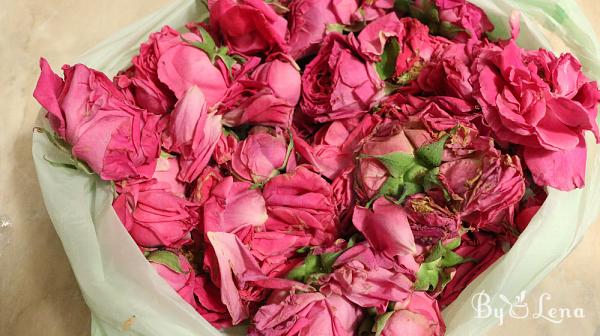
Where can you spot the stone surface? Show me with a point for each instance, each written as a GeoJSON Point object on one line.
{"type": "Point", "coordinates": [38, 292]}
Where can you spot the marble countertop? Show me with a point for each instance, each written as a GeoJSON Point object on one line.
{"type": "Point", "coordinates": [38, 291]}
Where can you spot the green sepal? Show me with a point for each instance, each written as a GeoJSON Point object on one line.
{"type": "Point", "coordinates": [431, 154]}
{"type": "Point", "coordinates": [167, 259]}
{"type": "Point", "coordinates": [432, 273]}
{"type": "Point", "coordinates": [387, 66]}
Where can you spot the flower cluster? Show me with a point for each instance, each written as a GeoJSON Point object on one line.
{"type": "Point", "coordinates": [318, 167]}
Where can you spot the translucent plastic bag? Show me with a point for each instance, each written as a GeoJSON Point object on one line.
{"type": "Point", "coordinates": [127, 297]}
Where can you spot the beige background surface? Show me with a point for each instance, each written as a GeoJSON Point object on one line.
{"type": "Point", "coordinates": [38, 292]}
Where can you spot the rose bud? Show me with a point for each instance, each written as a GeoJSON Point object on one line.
{"type": "Point", "coordinates": [261, 155]}
{"type": "Point", "coordinates": [421, 317]}
{"type": "Point", "coordinates": [177, 272]}
{"type": "Point", "coordinates": [338, 84]}
{"type": "Point", "coordinates": [153, 215]}
{"type": "Point", "coordinates": [309, 21]}
{"type": "Point", "coordinates": [531, 109]}
{"type": "Point", "coordinates": [307, 314]}
{"type": "Point", "coordinates": [281, 77]}
{"type": "Point", "coordinates": [193, 133]}
{"type": "Point", "coordinates": [185, 65]}
{"type": "Point", "coordinates": [301, 201]}
{"type": "Point", "coordinates": [116, 139]}
{"type": "Point", "coordinates": [266, 96]}
{"type": "Point", "coordinates": [429, 221]}
{"type": "Point", "coordinates": [225, 148]}
{"type": "Point", "coordinates": [248, 27]}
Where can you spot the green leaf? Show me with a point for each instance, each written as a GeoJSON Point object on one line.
{"type": "Point", "coordinates": [328, 259]}
{"type": "Point", "coordinates": [335, 28]}
{"type": "Point", "coordinates": [450, 30]}
{"type": "Point", "coordinates": [213, 52]}
{"type": "Point", "coordinates": [409, 189]}
{"type": "Point", "coordinates": [387, 66]}
{"type": "Point", "coordinates": [302, 272]}
{"type": "Point", "coordinates": [166, 258]}
{"type": "Point", "coordinates": [381, 322]}
{"type": "Point", "coordinates": [431, 154]}
{"type": "Point", "coordinates": [451, 259]}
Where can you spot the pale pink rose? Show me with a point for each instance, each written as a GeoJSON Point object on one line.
{"type": "Point", "coordinates": [260, 156]}
{"type": "Point", "coordinates": [233, 206]}
{"type": "Point", "coordinates": [182, 282]}
{"type": "Point", "coordinates": [192, 132]}
{"type": "Point", "coordinates": [386, 228]}
{"type": "Point", "coordinates": [116, 139]}
{"type": "Point", "coordinates": [420, 317]}
{"type": "Point", "coordinates": [248, 27]}
{"type": "Point", "coordinates": [153, 215]}
{"type": "Point", "coordinates": [307, 314]}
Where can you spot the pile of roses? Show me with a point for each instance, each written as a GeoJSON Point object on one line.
{"type": "Point", "coordinates": [319, 167]}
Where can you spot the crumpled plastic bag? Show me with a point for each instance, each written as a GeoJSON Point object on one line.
{"type": "Point", "coordinates": [127, 297]}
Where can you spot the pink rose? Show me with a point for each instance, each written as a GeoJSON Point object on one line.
{"type": "Point", "coordinates": [182, 280]}
{"type": "Point", "coordinates": [485, 185]}
{"type": "Point", "coordinates": [334, 145]}
{"type": "Point", "coordinates": [421, 317]}
{"type": "Point", "coordinates": [184, 66]}
{"type": "Point", "coordinates": [233, 270]}
{"type": "Point", "coordinates": [248, 27]}
{"type": "Point", "coordinates": [343, 194]}
{"type": "Point", "coordinates": [464, 15]}
{"type": "Point", "coordinates": [301, 201]}
{"type": "Point", "coordinates": [276, 251]}
{"type": "Point", "coordinates": [307, 314]}
{"type": "Point", "coordinates": [388, 137]}
{"type": "Point", "coordinates": [337, 84]}
{"type": "Point", "coordinates": [485, 249]}
{"type": "Point", "coordinates": [167, 169]}
{"type": "Point", "coordinates": [429, 221]}
{"type": "Point", "coordinates": [116, 139]}
{"type": "Point", "coordinates": [541, 102]}
{"type": "Point", "coordinates": [209, 178]}
{"type": "Point", "coordinates": [367, 286]}
{"type": "Point", "coordinates": [234, 206]}
{"type": "Point", "coordinates": [386, 228]}
{"type": "Point", "coordinates": [142, 80]}
{"type": "Point", "coordinates": [267, 96]}
{"type": "Point", "coordinates": [208, 303]}
{"type": "Point", "coordinates": [281, 77]}
{"type": "Point", "coordinates": [309, 20]}
{"type": "Point", "coordinates": [153, 215]}
{"type": "Point", "coordinates": [193, 133]}
{"type": "Point", "coordinates": [459, 20]}
{"type": "Point", "coordinates": [225, 148]}
{"type": "Point", "coordinates": [260, 156]}
{"type": "Point", "coordinates": [370, 10]}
